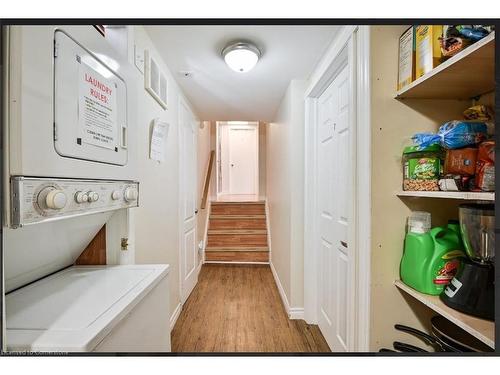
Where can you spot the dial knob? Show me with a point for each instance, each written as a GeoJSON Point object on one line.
{"type": "Point", "coordinates": [116, 194]}
{"type": "Point", "coordinates": [55, 199]}
{"type": "Point", "coordinates": [130, 194]}
{"type": "Point", "coordinates": [81, 197]}
{"type": "Point", "coordinates": [93, 196]}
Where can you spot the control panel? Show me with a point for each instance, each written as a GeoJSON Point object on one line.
{"type": "Point", "coordinates": [36, 200]}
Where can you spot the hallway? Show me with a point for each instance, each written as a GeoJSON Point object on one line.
{"type": "Point", "coordinates": [237, 308]}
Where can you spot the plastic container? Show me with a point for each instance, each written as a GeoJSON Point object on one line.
{"type": "Point", "coordinates": [422, 168]}
{"type": "Point", "coordinates": [419, 222]}
{"type": "Point", "coordinates": [431, 259]}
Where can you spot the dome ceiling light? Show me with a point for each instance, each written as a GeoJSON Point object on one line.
{"type": "Point", "coordinates": [241, 57]}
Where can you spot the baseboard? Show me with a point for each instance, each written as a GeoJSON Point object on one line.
{"type": "Point", "coordinates": [175, 316]}
{"type": "Point", "coordinates": [292, 312]}
{"type": "Point", "coordinates": [268, 227]}
{"type": "Point", "coordinates": [296, 313]}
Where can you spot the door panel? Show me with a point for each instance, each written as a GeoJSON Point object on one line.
{"type": "Point", "coordinates": [333, 194]}
{"type": "Point", "coordinates": [189, 259]}
{"type": "Point", "coordinates": [243, 160]}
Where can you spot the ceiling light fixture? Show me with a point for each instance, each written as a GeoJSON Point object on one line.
{"type": "Point", "coordinates": [241, 57]}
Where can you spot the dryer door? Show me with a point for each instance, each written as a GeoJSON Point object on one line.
{"type": "Point", "coordinates": [90, 104]}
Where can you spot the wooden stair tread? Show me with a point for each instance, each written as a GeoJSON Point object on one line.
{"type": "Point", "coordinates": [235, 256]}
{"type": "Point", "coordinates": [231, 203]}
{"type": "Point", "coordinates": [237, 248]}
{"type": "Point", "coordinates": [216, 224]}
{"type": "Point", "coordinates": [237, 231]}
{"type": "Point", "coordinates": [237, 217]}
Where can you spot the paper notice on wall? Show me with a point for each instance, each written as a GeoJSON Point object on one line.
{"type": "Point", "coordinates": [158, 140]}
{"type": "Point", "coordinates": [97, 111]}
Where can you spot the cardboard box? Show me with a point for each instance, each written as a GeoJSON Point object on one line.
{"type": "Point", "coordinates": [406, 71]}
{"type": "Point", "coordinates": [427, 48]}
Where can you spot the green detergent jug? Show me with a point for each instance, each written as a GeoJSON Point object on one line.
{"type": "Point", "coordinates": [432, 258]}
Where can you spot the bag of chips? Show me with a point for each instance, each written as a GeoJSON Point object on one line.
{"type": "Point", "coordinates": [485, 168]}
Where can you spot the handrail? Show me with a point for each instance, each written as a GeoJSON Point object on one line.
{"type": "Point", "coordinates": [207, 180]}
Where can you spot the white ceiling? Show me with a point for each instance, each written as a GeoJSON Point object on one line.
{"type": "Point", "coordinates": [218, 93]}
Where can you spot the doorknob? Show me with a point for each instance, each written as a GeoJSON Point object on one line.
{"type": "Point", "coordinates": [196, 211]}
{"type": "Point", "coordinates": [232, 165]}
{"type": "Point", "coordinates": [343, 243]}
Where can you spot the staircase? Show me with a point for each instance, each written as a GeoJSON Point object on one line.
{"type": "Point", "coordinates": [237, 232]}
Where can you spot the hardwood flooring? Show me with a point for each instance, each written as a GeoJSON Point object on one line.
{"type": "Point", "coordinates": [237, 308]}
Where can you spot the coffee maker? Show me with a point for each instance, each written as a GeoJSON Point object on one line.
{"type": "Point", "coordinates": [472, 290]}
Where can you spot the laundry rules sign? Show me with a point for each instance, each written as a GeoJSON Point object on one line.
{"type": "Point", "coordinates": [97, 112]}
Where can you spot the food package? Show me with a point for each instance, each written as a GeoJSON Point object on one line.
{"type": "Point", "coordinates": [461, 161]}
{"type": "Point", "coordinates": [427, 48]}
{"type": "Point", "coordinates": [485, 167]}
{"type": "Point", "coordinates": [478, 113]}
{"type": "Point", "coordinates": [454, 134]}
{"type": "Point", "coordinates": [454, 183]}
{"type": "Point", "coordinates": [406, 70]}
{"type": "Point", "coordinates": [473, 32]}
{"type": "Point", "coordinates": [421, 168]}
{"type": "Point", "coordinates": [458, 37]}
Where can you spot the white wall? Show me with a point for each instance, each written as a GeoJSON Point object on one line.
{"type": "Point", "coordinates": [156, 220]}
{"type": "Point", "coordinates": [285, 192]}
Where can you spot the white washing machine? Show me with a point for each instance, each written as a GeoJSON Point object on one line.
{"type": "Point", "coordinates": [69, 133]}
{"type": "Point", "coordinates": [92, 309]}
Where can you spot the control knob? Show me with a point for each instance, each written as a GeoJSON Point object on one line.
{"type": "Point", "coordinates": [116, 194]}
{"type": "Point", "coordinates": [81, 197]}
{"type": "Point", "coordinates": [93, 196]}
{"type": "Point", "coordinates": [52, 198]}
{"type": "Point", "coordinates": [131, 194]}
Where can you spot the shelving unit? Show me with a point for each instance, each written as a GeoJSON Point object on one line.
{"type": "Point", "coordinates": [461, 195]}
{"type": "Point", "coordinates": [453, 79]}
{"type": "Point", "coordinates": [481, 329]}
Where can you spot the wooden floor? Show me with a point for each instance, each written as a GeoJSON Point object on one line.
{"type": "Point", "coordinates": [237, 308]}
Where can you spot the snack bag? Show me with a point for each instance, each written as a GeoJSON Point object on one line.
{"type": "Point", "coordinates": [454, 134]}
{"type": "Point", "coordinates": [478, 113]}
{"type": "Point", "coordinates": [485, 167]}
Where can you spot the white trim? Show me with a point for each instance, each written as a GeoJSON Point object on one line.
{"type": "Point", "coordinates": [292, 312]}
{"type": "Point", "coordinates": [363, 271]}
{"type": "Point", "coordinates": [268, 228]}
{"type": "Point", "coordinates": [296, 313]}
{"type": "Point", "coordinates": [320, 78]}
{"type": "Point", "coordinates": [175, 315]}
{"type": "Point", "coordinates": [356, 40]}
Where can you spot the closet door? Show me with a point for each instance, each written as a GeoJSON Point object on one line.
{"type": "Point", "coordinates": [333, 194]}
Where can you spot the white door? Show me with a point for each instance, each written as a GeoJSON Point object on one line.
{"type": "Point", "coordinates": [189, 259]}
{"type": "Point", "coordinates": [243, 160]}
{"type": "Point", "coordinates": [333, 197]}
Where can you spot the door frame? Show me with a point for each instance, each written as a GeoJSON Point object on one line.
{"type": "Point", "coordinates": [218, 169]}
{"type": "Point", "coordinates": [194, 123]}
{"type": "Point", "coordinates": [352, 47]}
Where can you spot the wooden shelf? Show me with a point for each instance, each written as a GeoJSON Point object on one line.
{"type": "Point", "coordinates": [464, 195]}
{"type": "Point", "coordinates": [467, 74]}
{"type": "Point", "coordinates": [481, 329]}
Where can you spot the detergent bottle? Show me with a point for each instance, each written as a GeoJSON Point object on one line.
{"type": "Point", "coordinates": [431, 257]}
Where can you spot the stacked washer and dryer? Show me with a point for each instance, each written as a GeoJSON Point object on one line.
{"type": "Point", "coordinates": [70, 167]}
